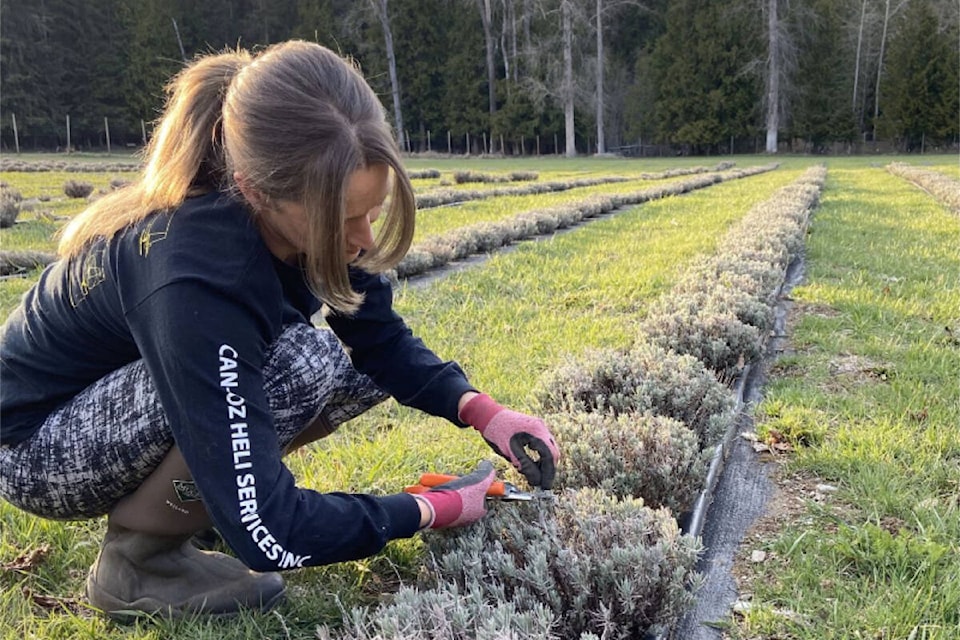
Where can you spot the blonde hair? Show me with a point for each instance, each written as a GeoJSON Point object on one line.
{"type": "Point", "coordinates": [295, 121]}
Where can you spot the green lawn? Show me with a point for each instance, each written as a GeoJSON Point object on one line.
{"type": "Point", "coordinates": [873, 391]}
{"type": "Point", "coordinates": [882, 259]}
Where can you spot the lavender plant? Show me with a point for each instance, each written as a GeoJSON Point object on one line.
{"type": "Point", "coordinates": [444, 612]}
{"type": "Point", "coordinates": [600, 565]}
{"type": "Point", "coordinates": [631, 455]}
{"type": "Point", "coordinates": [942, 187]}
{"type": "Point", "coordinates": [77, 189]}
{"type": "Point", "coordinates": [644, 378]}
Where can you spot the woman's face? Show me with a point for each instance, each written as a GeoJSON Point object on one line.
{"type": "Point", "coordinates": [284, 225]}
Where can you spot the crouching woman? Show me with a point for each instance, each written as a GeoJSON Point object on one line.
{"type": "Point", "coordinates": [159, 371]}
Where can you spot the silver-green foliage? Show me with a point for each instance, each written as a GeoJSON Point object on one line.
{"type": "Point", "coordinates": [442, 197]}
{"type": "Point", "coordinates": [10, 203]}
{"type": "Point", "coordinates": [601, 565]}
{"type": "Point", "coordinates": [423, 174]}
{"type": "Point", "coordinates": [644, 378]}
{"type": "Point", "coordinates": [942, 187]}
{"type": "Point", "coordinates": [445, 611]}
{"type": "Point", "coordinates": [631, 455]}
{"type": "Point", "coordinates": [27, 166]}
{"type": "Point", "coordinates": [461, 177]}
{"type": "Point", "coordinates": [487, 236]}
{"type": "Point", "coordinates": [718, 339]}
{"type": "Point", "coordinates": [77, 189]}
{"type": "Point", "coordinates": [707, 315]}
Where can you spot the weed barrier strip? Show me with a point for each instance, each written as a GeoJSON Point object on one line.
{"type": "Point", "coordinates": [701, 507]}
{"type": "Point", "coordinates": [698, 515]}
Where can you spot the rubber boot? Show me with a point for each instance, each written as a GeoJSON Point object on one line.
{"type": "Point", "coordinates": [138, 572]}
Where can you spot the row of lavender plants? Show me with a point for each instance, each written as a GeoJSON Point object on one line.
{"type": "Point", "coordinates": [604, 556]}
{"type": "Point", "coordinates": [942, 187]}
{"type": "Point", "coordinates": [443, 197]}
{"type": "Point", "coordinates": [439, 250]}
{"type": "Point", "coordinates": [66, 166]}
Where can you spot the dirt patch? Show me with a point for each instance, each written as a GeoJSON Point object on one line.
{"type": "Point", "coordinates": [790, 506]}
{"type": "Point", "coordinates": [849, 370]}
{"type": "Point", "coordinates": [818, 309]}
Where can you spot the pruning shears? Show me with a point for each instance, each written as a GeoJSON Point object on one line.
{"type": "Point", "coordinates": [499, 489]}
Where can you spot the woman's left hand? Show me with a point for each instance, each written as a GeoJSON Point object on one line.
{"type": "Point", "coordinates": [510, 434]}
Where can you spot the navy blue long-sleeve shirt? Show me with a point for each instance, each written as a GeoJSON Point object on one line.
{"type": "Point", "coordinates": [199, 297]}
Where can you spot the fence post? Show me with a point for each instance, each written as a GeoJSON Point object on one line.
{"type": "Point", "coordinates": [538, 144]}
{"type": "Point", "coordinates": [485, 148]}
{"type": "Point", "coordinates": [501, 145]}
{"type": "Point", "coordinates": [556, 145]}
{"type": "Point", "coordinates": [68, 133]}
{"type": "Point", "coordinates": [16, 135]}
{"type": "Point", "coordinates": [143, 131]}
{"type": "Point", "coordinates": [428, 140]}
{"type": "Point", "coordinates": [468, 143]}
{"type": "Point", "coordinates": [449, 143]}
{"type": "Point", "coordinates": [106, 128]}
{"type": "Point", "coordinates": [523, 146]}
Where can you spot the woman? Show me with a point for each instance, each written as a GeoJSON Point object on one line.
{"type": "Point", "coordinates": [159, 371]}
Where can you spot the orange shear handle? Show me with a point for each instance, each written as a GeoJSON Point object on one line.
{"type": "Point", "coordinates": [430, 480]}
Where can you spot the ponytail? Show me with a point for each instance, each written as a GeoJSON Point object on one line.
{"type": "Point", "coordinates": [184, 157]}
{"type": "Point", "coordinates": [296, 122]}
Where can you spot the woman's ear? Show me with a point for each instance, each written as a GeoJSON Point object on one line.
{"type": "Point", "coordinates": [251, 195]}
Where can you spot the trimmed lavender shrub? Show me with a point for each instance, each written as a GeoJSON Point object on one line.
{"type": "Point", "coordinates": [449, 196]}
{"type": "Point", "coordinates": [632, 455]}
{"type": "Point", "coordinates": [10, 201]}
{"type": "Point", "coordinates": [461, 177]}
{"type": "Point", "coordinates": [766, 277]}
{"type": "Point", "coordinates": [423, 174]}
{"type": "Point", "coordinates": [718, 339]}
{"type": "Point", "coordinates": [445, 612]}
{"type": "Point", "coordinates": [704, 277]}
{"type": "Point", "coordinates": [600, 565]}
{"type": "Point", "coordinates": [22, 261]}
{"type": "Point", "coordinates": [944, 188]}
{"type": "Point", "coordinates": [646, 378]}
{"type": "Point", "coordinates": [28, 166]}
{"type": "Point", "coordinates": [464, 242]}
{"type": "Point", "coordinates": [77, 189]}
{"type": "Point", "coordinates": [746, 307]}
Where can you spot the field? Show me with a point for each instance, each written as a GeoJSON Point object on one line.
{"type": "Point", "coordinates": [584, 280]}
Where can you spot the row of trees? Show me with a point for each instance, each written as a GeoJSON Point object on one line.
{"type": "Point", "coordinates": [702, 76]}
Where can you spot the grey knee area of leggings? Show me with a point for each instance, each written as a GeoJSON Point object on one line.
{"type": "Point", "coordinates": [101, 445]}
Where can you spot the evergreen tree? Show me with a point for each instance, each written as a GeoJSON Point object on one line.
{"type": "Point", "coordinates": [31, 73]}
{"type": "Point", "coordinates": [821, 108]}
{"type": "Point", "coordinates": [707, 93]}
{"type": "Point", "coordinates": [921, 96]}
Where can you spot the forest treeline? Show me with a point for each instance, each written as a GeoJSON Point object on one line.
{"type": "Point", "coordinates": [520, 76]}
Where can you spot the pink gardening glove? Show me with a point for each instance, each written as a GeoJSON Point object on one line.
{"type": "Point", "coordinates": [509, 433]}
{"type": "Point", "coordinates": [461, 501]}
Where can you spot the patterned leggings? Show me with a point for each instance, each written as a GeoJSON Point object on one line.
{"type": "Point", "coordinates": [101, 445]}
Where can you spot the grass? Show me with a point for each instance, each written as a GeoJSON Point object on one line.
{"type": "Point", "coordinates": [516, 315]}
{"type": "Point", "coordinates": [873, 388]}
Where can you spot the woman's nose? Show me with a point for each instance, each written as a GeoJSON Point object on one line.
{"type": "Point", "coordinates": [360, 234]}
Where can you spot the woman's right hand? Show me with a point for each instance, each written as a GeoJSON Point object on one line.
{"type": "Point", "coordinates": [458, 502]}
